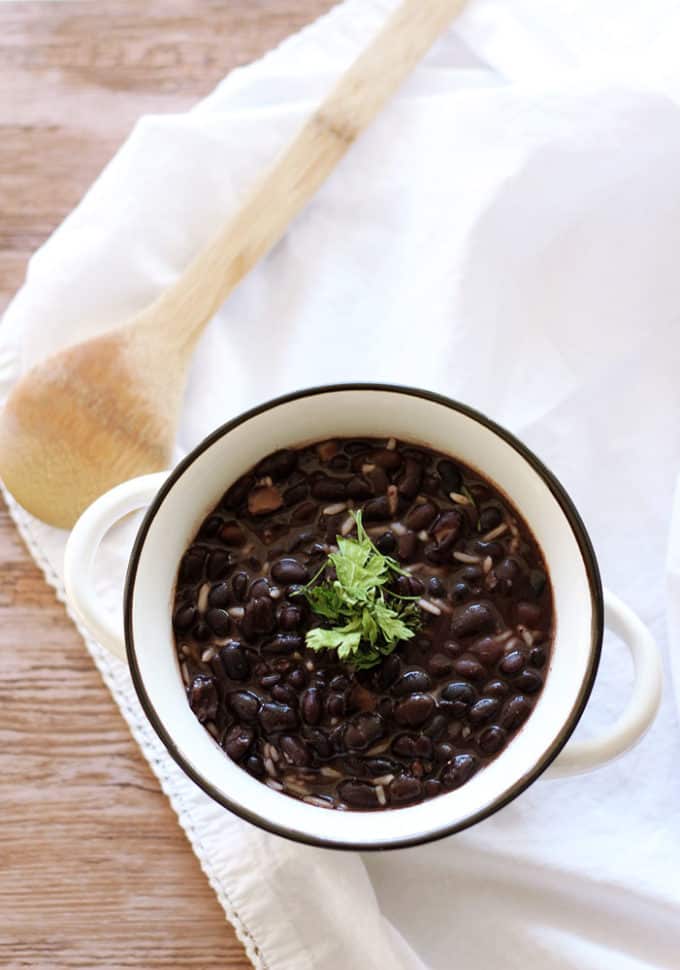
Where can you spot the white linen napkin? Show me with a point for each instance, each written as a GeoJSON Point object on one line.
{"type": "Point", "coordinates": [506, 233]}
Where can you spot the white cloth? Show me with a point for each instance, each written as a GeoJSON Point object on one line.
{"type": "Point", "coordinates": [507, 233]}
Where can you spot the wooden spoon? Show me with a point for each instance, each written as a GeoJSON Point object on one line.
{"type": "Point", "coordinates": [106, 410]}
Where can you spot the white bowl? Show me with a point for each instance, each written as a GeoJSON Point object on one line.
{"type": "Point", "coordinates": [190, 491]}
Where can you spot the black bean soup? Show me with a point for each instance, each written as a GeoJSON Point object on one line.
{"type": "Point", "coordinates": [431, 714]}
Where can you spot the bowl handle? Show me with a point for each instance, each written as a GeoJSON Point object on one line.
{"type": "Point", "coordinates": [581, 756]}
{"type": "Point", "coordinates": [81, 551]}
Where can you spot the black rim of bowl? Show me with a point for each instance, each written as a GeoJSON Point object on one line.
{"type": "Point", "coordinates": [522, 783]}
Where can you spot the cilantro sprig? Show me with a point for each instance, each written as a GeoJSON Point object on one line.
{"type": "Point", "coordinates": [365, 620]}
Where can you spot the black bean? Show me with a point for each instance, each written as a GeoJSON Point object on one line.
{"type": "Point", "coordinates": [508, 573]}
{"type": "Point", "coordinates": [408, 546]}
{"type": "Point", "coordinates": [496, 688]}
{"type": "Point", "coordinates": [484, 710]}
{"type": "Point", "coordinates": [304, 513]}
{"type": "Point", "coordinates": [339, 682]}
{"type": "Point", "coordinates": [297, 678]}
{"type": "Point", "coordinates": [446, 529]}
{"type": "Point", "coordinates": [459, 770]}
{"type": "Point", "coordinates": [450, 476]}
{"type": "Point", "coordinates": [255, 766]}
{"type": "Point", "coordinates": [220, 596]}
{"type": "Point", "coordinates": [529, 681]}
{"type": "Point", "coordinates": [328, 489]}
{"type": "Point", "coordinates": [385, 458]}
{"type": "Point", "coordinates": [202, 631]}
{"type": "Point", "coordinates": [296, 493]}
{"type": "Point", "coordinates": [436, 727]}
{"type": "Point", "coordinates": [277, 717]}
{"type": "Point", "coordinates": [244, 704]}
{"type": "Point", "coordinates": [537, 581]}
{"type": "Point", "coordinates": [237, 494]}
{"type": "Point", "coordinates": [290, 618]}
{"type": "Point", "coordinates": [444, 751]}
{"type": "Point", "coordinates": [480, 548]}
{"type": "Point", "coordinates": [387, 544]}
{"type": "Point", "coordinates": [512, 664]}
{"type": "Point", "coordinates": [358, 794]}
{"type": "Point", "coordinates": [432, 787]}
{"type": "Point", "coordinates": [219, 622]}
{"type": "Point", "coordinates": [264, 499]}
{"type": "Point", "coordinates": [210, 527]}
{"type": "Point", "coordinates": [232, 534]}
{"type": "Point", "coordinates": [538, 657]}
{"type": "Point", "coordinates": [203, 698]}
{"type": "Point", "coordinates": [516, 711]}
{"type": "Point", "coordinates": [491, 739]}
{"type": "Point", "coordinates": [473, 619]}
{"type": "Point", "coordinates": [439, 665]}
{"type": "Point", "coordinates": [377, 510]}
{"type": "Point", "coordinates": [260, 617]}
{"type": "Point", "coordinates": [453, 648]}
{"type": "Point", "coordinates": [410, 478]}
{"type": "Point", "coordinates": [470, 668]}
{"type": "Point", "coordinates": [387, 672]}
{"type": "Point", "coordinates": [184, 617]}
{"type": "Point", "coordinates": [528, 614]}
{"type": "Point", "coordinates": [490, 518]}
{"type": "Point", "coordinates": [375, 767]}
{"type": "Point", "coordinates": [405, 789]}
{"type": "Point", "coordinates": [458, 698]}
{"type": "Point", "coordinates": [414, 710]}
{"type": "Point", "coordinates": [358, 488]}
{"type": "Point", "coordinates": [362, 731]}
{"type": "Point", "coordinates": [339, 463]}
{"type": "Point", "coordinates": [336, 705]}
{"type": "Point", "coordinates": [218, 564]}
{"type": "Point", "coordinates": [191, 566]}
{"type": "Point", "coordinates": [235, 661]}
{"type": "Point", "coordinates": [277, 465]}
{"type": "Point", "coordinates": [284, 643]}
{"type": "Point", "coordinates": [409, 586]}
{"type": "Point", "coordinates": [421, 516]}
{"type": "Point", "coordinates": [487, 650]}
{"type": "Point", "coordinates": [320, 744]}
{"type": "Point", "coordinates": [436, 588]}
{"type": "Point", "coordinates": [287, 571]}
{"type": "Point", "coordinates": [412, 746]}
{"type": "Point", "coordinates": [237, 741]}
{"type": "Point", "coordinates": [411, 681]}
{"type": "Point", "coordinates": [284, 694]}
{"type": "Point", "coordinates": [239, 584]}
{"type": "Point", "coordinates": [294, 751]}
{"type": "Point", "coordinates": [460, 592]}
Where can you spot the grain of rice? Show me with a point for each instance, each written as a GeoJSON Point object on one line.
{"type": "Point", "coordinates": [380, 792]}
{"type": "Point", "coordinates": [391, 444]}
{"type": "Point", "coordinates": [500, 530]}
{"type": "Point", "coordinates": [203, 597]}
{"type": "Point", "coordinates": [429, 607]}
{"type": "Point", "coordinates": [526, 635]}
{"type": "Point", "coordinates": [335, 509]}
{"type": "Point", "coordinates": [329, 772]}
{"type": "Point", "coordinates": [347, 526]}
{"type": "Point", "coordinates": [423, 535]}
{"type": "Point", "coordinates": [269, 767]}
{"type": "Point", "coordinates": [208, 654]}
{"type": "Point", "coordinates": [236, 612]}
{"type": "Point", "coordinates": [319, 802]}
{"type": "Point", "coordinates": [487, 565]}
{"type": "Point", "coordinates": [392, 499]}
{"type": "Point", "coordinates": [467, 558]}
{"type": "Point", "coordinates": [459, 499]}
{"type": "Point", "coordinates": [367, 469]}
{"type": "Point", "coordinates": [383, 780]}
{"type": "Point", "coordinates": [275, 593]}
{"type": "Point", "coordinates": [276, 785]}
{"type": "Point", "coordinates": [212, 728]}
{"type": "Point", "coordinates": [295, 789]}
{"type": "Point", "coordinates": [398, 529]}
{"type": "Point", "coordinates": [185, 673]}
{"type": "Point", "coordinates": [465, 733]}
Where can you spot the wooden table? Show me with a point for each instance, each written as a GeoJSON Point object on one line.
{"type": "Point", "coordinates": [94, 869]}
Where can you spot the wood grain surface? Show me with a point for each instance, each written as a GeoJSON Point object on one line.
{"type": "Point", "coordinates": [94, 869]}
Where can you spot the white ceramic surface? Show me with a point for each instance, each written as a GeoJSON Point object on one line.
{"type": "Point", "coordinates": [196, 486]}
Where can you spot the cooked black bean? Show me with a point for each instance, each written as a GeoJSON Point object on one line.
{"type": "Point", "coordinates": [362, 731]}
{"type": "Point", "coordinates": [203, 698]}
{"type": "Point", "coordinates": [277, 717]}
{"type": "Point", "coordinates": [516, 711]}
{"type": "Point", "coordinates": [405, 789]}
{"type": "Point", "coordinates": [294, 751]}
{"type": "Point", "coordinates": [459, 770]}
{"type": "Point", "coordinates": [492, 739]}
{"type": "Point", "coordinates": [219, 622]}
{"type": "Point", "coordinates": [244, 704]}
{"type": "Point", "coordinates": [235, 661]}
{"type": "Point", "coordinates": [414, 710]}
{"type": "Point", "coordinates": [411, 681]}
{"type": "Point", "coordinates": [405, 730]}
{"type": "Point", "coordinates": [237, 741]}
{"type": "Point", "coordinates": [358, 794]}
{"type": "Point", "coordinates": [529, 681]}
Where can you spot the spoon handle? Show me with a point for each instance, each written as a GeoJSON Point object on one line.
{"type": "Point", "coordinates": [183, 310]}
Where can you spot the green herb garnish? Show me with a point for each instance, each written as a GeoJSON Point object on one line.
{"type": "Point", "coordinates": [369, 620]}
